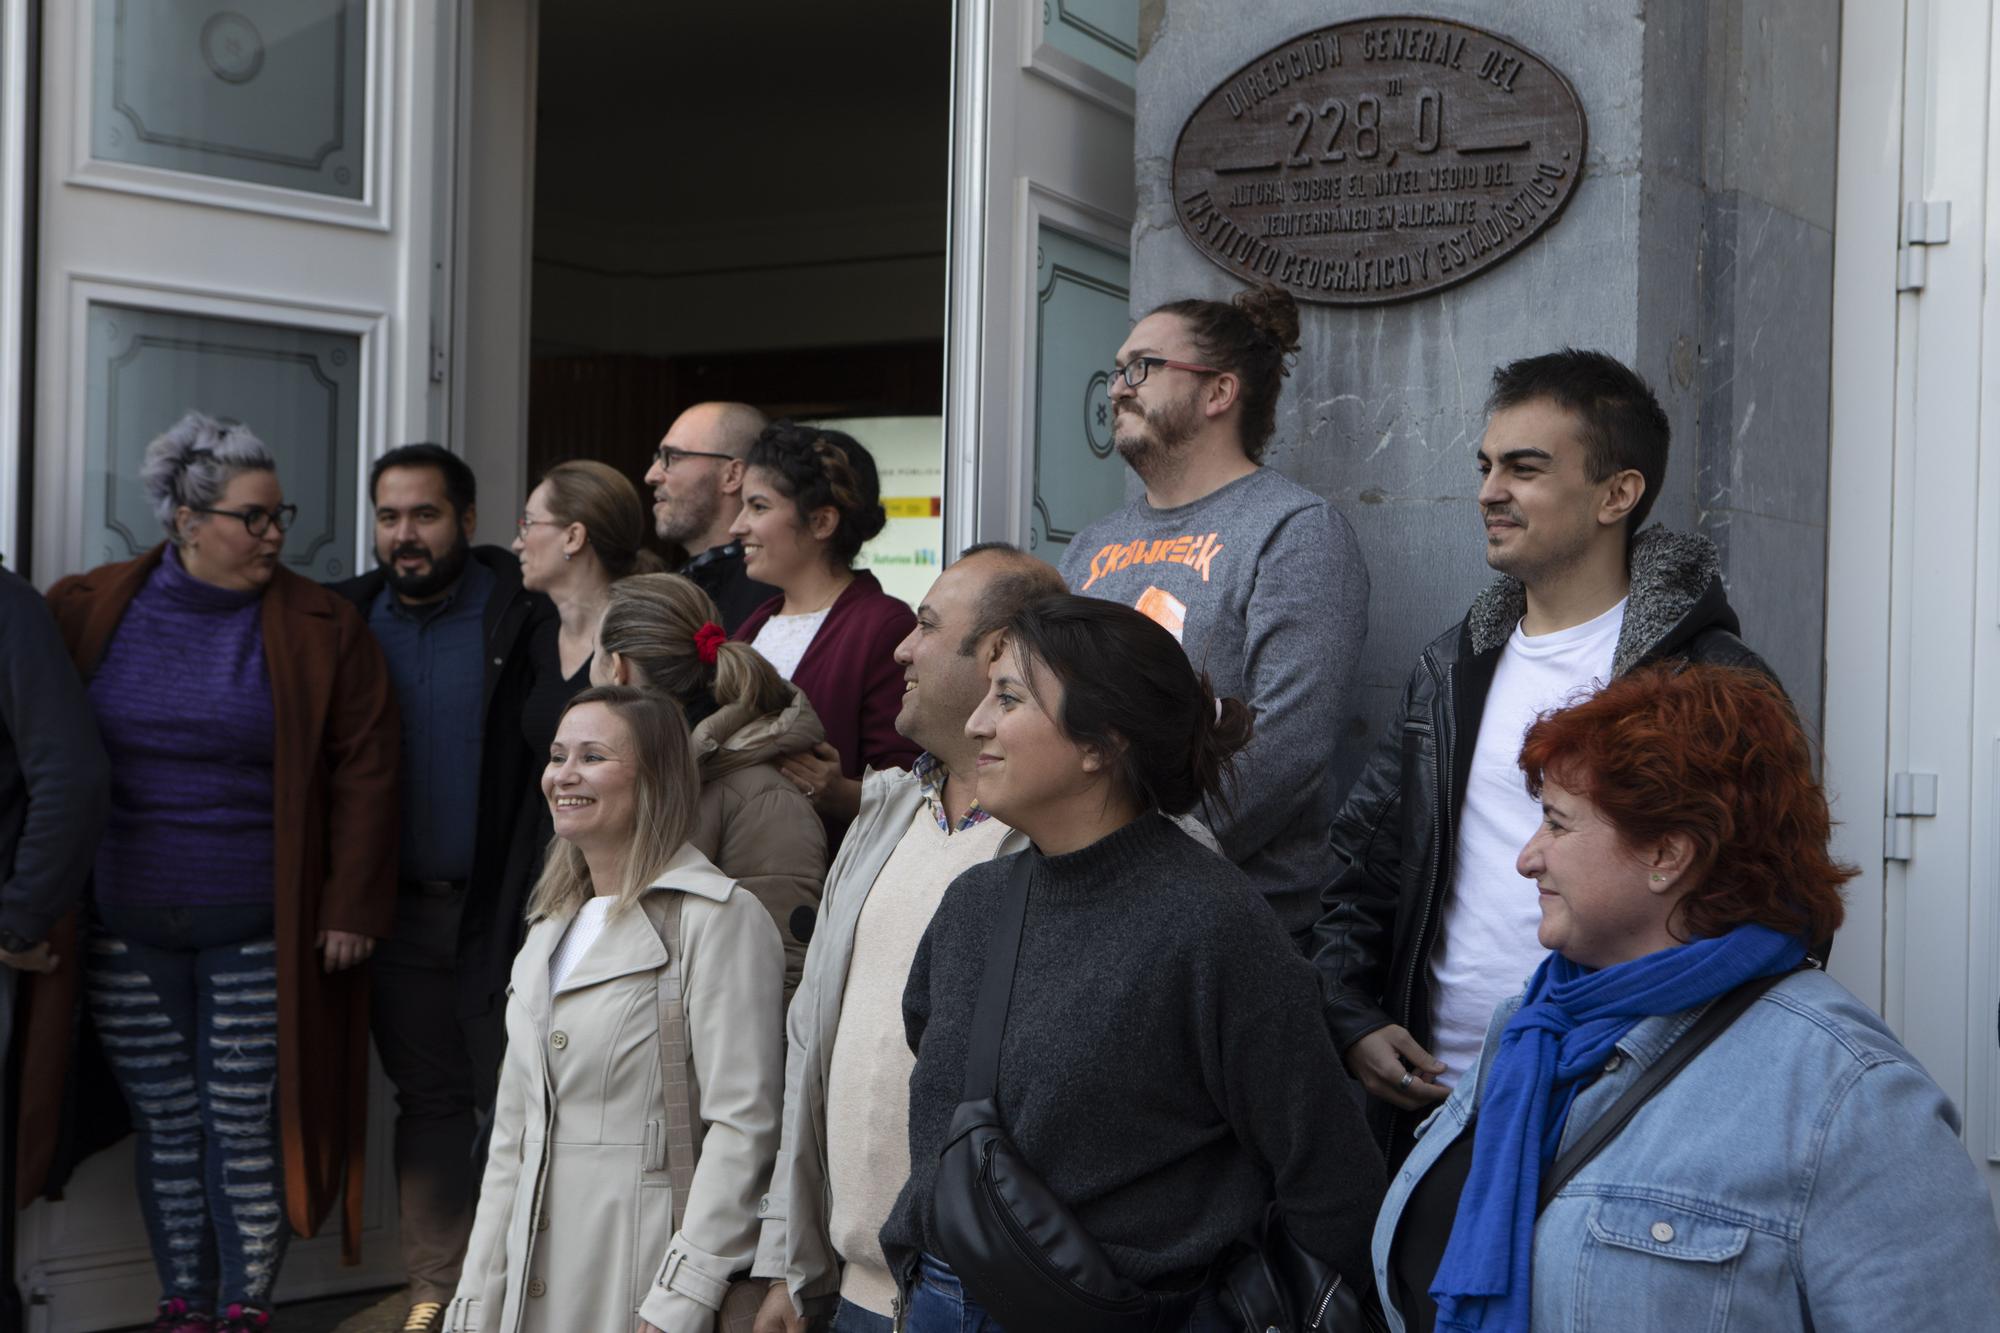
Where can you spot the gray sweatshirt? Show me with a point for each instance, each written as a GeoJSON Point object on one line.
{"type": "Point", "coordinates": [1264, 585]}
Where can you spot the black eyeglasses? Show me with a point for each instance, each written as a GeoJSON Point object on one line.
{"type": "Point", "coordinates": [1133, 372]}
{"type": "Point", "coordinates": [257, 518]}
{"type": "Point", "coordinates": [669, 456]}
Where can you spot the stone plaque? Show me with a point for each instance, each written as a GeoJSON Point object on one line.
{"type": "Point", "coordinates": [1378, 160]}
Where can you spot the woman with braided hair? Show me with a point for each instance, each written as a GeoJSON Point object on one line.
{"type": "Point", "coordinates": [810, 500]}
{"type": "Point", "coordinates": [661, 632]}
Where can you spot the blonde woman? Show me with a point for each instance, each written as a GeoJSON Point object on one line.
{"type": "Point", "coordinates": [574, 1232]}
{"type": "Point", "coordinates": [661, 632]}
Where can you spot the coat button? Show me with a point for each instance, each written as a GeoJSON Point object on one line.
{"type": "Point", "coordinates": [537, 1287]}
{"type": "Point", "coordinates": [1663, 1232]}
{"type": "Point", "coordinates": [542, 1223]}
{"type": "Point", "coordinates": [1611, 1065]}
{"type": "Point", "coordinates": [559, 1040]}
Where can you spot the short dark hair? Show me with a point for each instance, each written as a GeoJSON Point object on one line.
{"type": "Point", "coordinates": [1129, 690]}
{"type": "Point", "coordinates": [1249, 336]}
{"type": "Point", "coordinates": [1622, 423]}
{"type": "Point", "coordinates": [460, 486]}
{"type": "Point", "coordinates": [824, 469]}
{"type": "Point", "coordinates": [1023, 579]}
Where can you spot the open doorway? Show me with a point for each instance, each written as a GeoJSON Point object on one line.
{"type": "Point", "coordinates": [750, 203]}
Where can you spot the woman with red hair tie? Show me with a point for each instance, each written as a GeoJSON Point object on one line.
{"type": "Point", "coordinates": [1795, 1169]}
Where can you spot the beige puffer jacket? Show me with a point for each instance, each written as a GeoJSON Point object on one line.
{"type": "Point", "coordinates": [758, 828]}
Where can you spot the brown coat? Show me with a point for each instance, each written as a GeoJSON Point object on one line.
{"type": "Point", "coordinates": [756, 827]}
{"type": "Point", "coordinates": [334, 789]}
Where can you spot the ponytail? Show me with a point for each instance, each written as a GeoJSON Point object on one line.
{"type": "Point", "coordinates": [1130, 691]}
{"type": "Point", "coordinates": [660, 623]}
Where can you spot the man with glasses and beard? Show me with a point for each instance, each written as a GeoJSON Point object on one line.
{"type": "Point", "coordinates": [1260, 579]}
{"type": "Point", "coordinates": [697, 481]}
{"type": "Point", "coordinates": [461, 635]}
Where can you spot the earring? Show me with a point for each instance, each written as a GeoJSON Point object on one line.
{"type": "Point", "coordinates": [566, 555]}
{"type": "Point", "coordinates": [1659, 879]}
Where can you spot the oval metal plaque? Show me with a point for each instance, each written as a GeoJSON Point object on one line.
{"type": "Point", "coordinates": [1378, 160]}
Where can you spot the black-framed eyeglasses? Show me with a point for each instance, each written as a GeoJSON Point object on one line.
{"type": "Point", "coordinates": [669, 456]}
{"type": "Point", "coordinates": [256, 518]}
{"type": "Point", "coordinates": [1134, 372]}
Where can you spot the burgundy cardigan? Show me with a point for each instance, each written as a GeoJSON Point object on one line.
{"type": "Point", "coordinates": [850, 676]}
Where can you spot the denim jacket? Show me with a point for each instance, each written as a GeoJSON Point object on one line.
{"type": "Point", "coordinates": [1803, 1172]}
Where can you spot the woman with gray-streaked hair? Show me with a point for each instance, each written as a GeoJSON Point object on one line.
{"type": "Point", "coordinates": [249, 862]}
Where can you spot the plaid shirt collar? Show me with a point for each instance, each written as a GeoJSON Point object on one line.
{"type": "Point", "coordinates": [930, 776]}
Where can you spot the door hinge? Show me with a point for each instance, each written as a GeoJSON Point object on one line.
{"type": "Point", "coordinates": [1911, 796]}
{"type": "Point", "coordinates": [439, 359]}
{"type": "Point", "coordinates": [1925, 223]}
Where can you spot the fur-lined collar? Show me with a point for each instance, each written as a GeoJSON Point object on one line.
{"type": "Point", "coordinates": [1671, 571]}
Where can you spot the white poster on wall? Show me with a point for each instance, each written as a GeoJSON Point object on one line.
{"type": "Point", "coordinates": [909, 458]}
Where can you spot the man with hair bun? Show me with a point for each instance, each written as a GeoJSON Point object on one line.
{"type": "Point", "coordinates": [1260, 579]}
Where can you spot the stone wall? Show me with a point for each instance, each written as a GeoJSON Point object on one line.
{"type": "Point", "coordinates": [1698, 248]}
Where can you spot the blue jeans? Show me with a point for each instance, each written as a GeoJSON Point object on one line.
{"type": "Point", "coordinates": [939, 1305]}
{"type": "Point", "coordinates": [185, 1002]}
{"type": "Point", "coordinates": [851, 1318]}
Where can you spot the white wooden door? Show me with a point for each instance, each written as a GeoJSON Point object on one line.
{"type": "Point", "coordinates": [243, 209]}
{"type": "Point", "coordinates": [1913, 623]}
{"type": "Point", "coordinates": [1040, 265]}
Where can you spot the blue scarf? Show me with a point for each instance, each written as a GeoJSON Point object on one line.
{"type": "Point", "coordinates": [1568, 1023]}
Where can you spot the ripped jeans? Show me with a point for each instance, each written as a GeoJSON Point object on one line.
{"type": "Point", "coordinates": [185, 1002]}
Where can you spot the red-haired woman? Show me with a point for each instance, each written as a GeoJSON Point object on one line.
{"type": "Point", "coordinates": [1800, 1171]}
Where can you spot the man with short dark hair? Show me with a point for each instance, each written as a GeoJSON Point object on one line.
{"type": "Point", "coordinates": [462, 638]}
{"type": "Point", "coordinates": [1420, 940]}
{"type": "Point", "coordinates": [697, 481]}
{"type": "Point", "coordinates": [844, 1150]}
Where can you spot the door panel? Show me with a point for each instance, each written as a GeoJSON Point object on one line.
{"type": "Point", "coordinates": [237, 215]}
{"type": "Point", "coordinates": [1042, 180]}
{"type": "Point", "coordinates": [1083, 295]}
{"type": "Point", "coordinates": [1913, 638]}
{"type": "Point", "coordinates": [301, 386]}
{"type": "Point", "coordinates": [273, 92]}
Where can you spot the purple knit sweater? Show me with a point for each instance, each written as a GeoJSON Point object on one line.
{"type": "Point", "coordinates": [184, 706]}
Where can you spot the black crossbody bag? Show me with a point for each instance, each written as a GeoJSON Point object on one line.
{"type": "Point", "coordinates": [1018, 1248]}
{"type": "Point", "coordinates": [1021, 1252]}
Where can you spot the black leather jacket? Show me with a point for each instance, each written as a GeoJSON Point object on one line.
{"type": "Point", "coordinates": [1395, 835]}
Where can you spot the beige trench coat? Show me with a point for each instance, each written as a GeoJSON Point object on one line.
{"type": "Point", "coordinates": [575, 1212]}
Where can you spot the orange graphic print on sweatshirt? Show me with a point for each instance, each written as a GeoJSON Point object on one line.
{"type": "Point", "coordinates": [1196, 552]}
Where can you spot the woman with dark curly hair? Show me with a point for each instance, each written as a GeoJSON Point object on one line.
{"type": "Point", "coordinates": [811, 499]}
{"type": "Point", "coordinates": [1799, 1171]}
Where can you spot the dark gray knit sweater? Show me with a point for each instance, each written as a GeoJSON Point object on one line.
{"type": "Point", "coordinates": [1165, 1067]}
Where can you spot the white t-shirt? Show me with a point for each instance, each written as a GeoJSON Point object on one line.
{"type": "Point", "coordinates": [576, 941]}
{"type": "Point", "coordinates": [1487, 946]}
{"type": "Point", "coordinates": [784, 639]}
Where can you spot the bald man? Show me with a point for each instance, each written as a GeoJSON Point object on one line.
{"type": "Point", "coordinates": [697, 482]}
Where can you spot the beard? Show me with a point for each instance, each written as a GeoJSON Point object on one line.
{"type": "Point", "coordinates": [689, 519]}
{"type": "Point", "coordinates": [444, 571]}
{"type": "Point", "coordinates": [1149, 440]}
